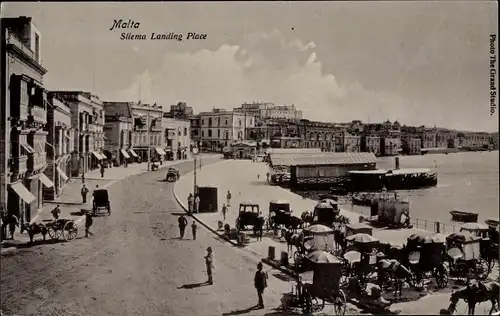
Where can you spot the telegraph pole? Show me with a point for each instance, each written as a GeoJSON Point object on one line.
{"type": "Point", "coordinates": [195, 154]}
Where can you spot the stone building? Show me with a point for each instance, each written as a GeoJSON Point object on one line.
{"type": "Point", "coordinates": [180, 111]}
{"type": "Point", "coordinates": [195, 130]}
{"type": "Point", "coordinates": [23, 119]}
{"type": "Point", "coordinates": [60, 140]}
{"type": "Point", "coordinates": [176, 138]}
{"type": "Point", "coordinates": [268, 110]}
{"type": "Point", "coordinates": [147, 131]}
{"type": "Point", "coordinates": [87, 117]}
{"type": "Point", "coordinates": [411, 144]}
{"type": "Point", "coordinates": [390, 146]}
{"type": "Point", "coordinates": [317, 135]}
{"type": "Point", "coordinates": [371, 144]}
{"type": "Point", "coordinates": [118, 132]}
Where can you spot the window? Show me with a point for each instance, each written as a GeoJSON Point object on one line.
{"type": "Point", "coordinates": [210, 121]}
{"type": "Point", "coordinates": [218, 133]}
{"type": "Point", "coordinates": [24, 93]}
{"type": "Point", "coordinates": [185, 131]}
{"type": "Point", "coordinates": [209, 133]}
{"type": "Point", "coordinates": [226, 122]}
{"type": "Point", "coordinates": [37, 48]}
{"type": "Point", "coordinates": [202, 133]}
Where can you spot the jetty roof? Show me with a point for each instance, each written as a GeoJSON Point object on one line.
{"type": "Point", "coordinates": [325, 158]}
{"type": "Point", "coordinates": [293, 151]}
{"type": "Point", "coordinates": [376, 171]}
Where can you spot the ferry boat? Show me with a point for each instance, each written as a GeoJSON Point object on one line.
{"type": "Point", "coordinates": [465, 217]}
{"type": "Point", "coordinates": [396, 179]}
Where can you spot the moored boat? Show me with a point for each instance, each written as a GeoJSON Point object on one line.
{"type": "Point", "coordinates": [493, 223]}
{"type": "Point", "coordinates": [465, 217]}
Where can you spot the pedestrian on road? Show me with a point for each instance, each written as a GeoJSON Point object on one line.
{"type": "Point", "coordinates": [267, 177]}
{"type": "Point", "coordinates": [224, 211]}
{"type": "Point", "coordinates": [182, 225]}
{"type": "Point", "coordinates": [84, 193]}
{"type": "Point", "coordinates": [88, 222]}
{"type": "Point", "coordinates": [197, 204]}
{"type": "Point", "coordinates": [209, 262]}
{"type": "Point", "coordinates": [83, 177]}
{"type": "Point", "coordinates": [13, 223]}
{"type": "Point", "coordinates": [228, 197]}
{"type": "Point", "coordinates": [3, 217]}
{"type": "Point", "coordinates": [190, 202]}
{"type": "Point", "coordinates": [260, 283]}
{"type": "Point", "coordinates": [194, 228]}
{"type": "Point", "coordinates": [102, 170]}
{"type": "Point", "coordinates": [55, 212]}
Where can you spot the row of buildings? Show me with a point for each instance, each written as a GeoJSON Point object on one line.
{"type": "Point", "coordinates": [48, 137]}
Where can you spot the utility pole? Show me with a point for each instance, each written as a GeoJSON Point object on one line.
{"type": "Point", "coordinates": [195, 154]}
{"type": "Point", "coordinates": [148, 140]}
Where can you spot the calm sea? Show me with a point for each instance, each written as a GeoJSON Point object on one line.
{"type": "Point", "coordinates": [467, 181]}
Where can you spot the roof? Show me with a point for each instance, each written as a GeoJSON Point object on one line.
{"type": "Point", "coordinates": [376, 171]}
{"type": "Point", "coordinates": [245, 144]}
{"type": "Point", "coordinates": [288, 151]}
{"type": "Point", "coordinates": [326, 158]}
{"type": "Point", "coordinates": [118, 109]}
{"type": "Point", "coordinates": [410, 171]}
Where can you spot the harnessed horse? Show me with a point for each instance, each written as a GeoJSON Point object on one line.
{"type": "Point", "coordinates": [34, 229]}
{"type": "Point", "coordinates": [476, 293]}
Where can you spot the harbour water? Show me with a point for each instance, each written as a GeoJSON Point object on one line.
{"type": "Point", "coordinates": [467, 181]}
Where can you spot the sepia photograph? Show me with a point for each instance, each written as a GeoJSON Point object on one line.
{"type": "Point", "coordinates": [249, 158]}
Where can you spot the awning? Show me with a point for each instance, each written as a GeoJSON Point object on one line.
{"type": "Point", "coordinates": [133, 153]}
{"type": "Point", "coordinates": [28, 148]}
{"type": "Point", "coordinates": [160, 151]}
{"type": "Point", "coordinates": [23, 192]}
{"type": "Point", "coordinates": [46, 181]}
{"type": "Point", "coordinates": [124, 153]}
{"type": "Point", "coordinates": [97, 155]}
{"type": "Point", "coordinates": [63, 175]}
{"type": "Point", "coordinates": [69, 138]}
{"type": "Point", "coordinates": [103, 156]}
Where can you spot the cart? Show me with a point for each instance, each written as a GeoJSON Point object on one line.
{"type": "Point", "coordinates": [173, 175]}
{"type": "Point", "coordinates": [101, 200]}
{"type": "Point", "coordinates": [426, 257]}
{"type": "Point", "coordinates": [464, 256]}
{"type": "Point", "coordinates": [64, 227]}
{"type": "Point", "coordinates": [325, 212]}
{"type": "Point", "coordinates": [248, 215]}
{"type": "Point", "coordinates": [279, 214]}
{"type": "Point", "coordinates": [367, 246]}
{"type": "Point", "coordinates": [325, 288]}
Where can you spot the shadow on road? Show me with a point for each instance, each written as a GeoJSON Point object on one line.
{"type": "Point", "coordinates": [259, 183]}
{"type": "Point", "coordinates": [242, 311]}
{"type": "Point", "coordinates": [193, 285]}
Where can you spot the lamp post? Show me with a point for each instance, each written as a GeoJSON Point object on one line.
{"type": "Point", "coordinates": [195, 154]}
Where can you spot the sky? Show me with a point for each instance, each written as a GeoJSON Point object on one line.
{"type": "Point", "coordinates": [421, 63]}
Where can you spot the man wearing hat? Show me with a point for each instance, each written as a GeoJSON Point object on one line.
{"type": "Point", "coordinates": [260, 283]}
{"type": "Point", "coordinates": [209, 262]}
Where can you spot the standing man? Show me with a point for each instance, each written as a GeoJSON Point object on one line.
{"type": "Point", "coordinates": [228, 197]}
{"type": "Point", "coordinates": [102, 170]}
{"type": "Point", "coordinates": [267, 177]}
{"type": "Point", "coordinates": [197, 204]}
{"type": "Point", "coordinates": [84, 193]}
{"type": "Point", "coordinates": [224, 211]}
{"type": "Point", "coordinates": [3, 216]}
{"type": "Point", "coordinates": [194, 228]}
{"type": "Point", "coordinates": [260, 283]}
{"type": "Point", "coordinates": [190, 202]}
{"type": "Point", "coordinates": [13, 223]}
{"type": "Point", "coordinates": [209, 262]}
{"type": "Point", "coordinates": [182, 225]}
{"type": "Point", "coordinates": [88, 222]}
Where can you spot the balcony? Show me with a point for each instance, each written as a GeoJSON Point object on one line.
{"type": "Point", "coordinates": [36, 161]}
{"type": "Point", "coordinates": [14, 40]}
{"type": "Point", "coordinates": [38, 114]}
{"type": "Point", "coordinates": [19, 165]}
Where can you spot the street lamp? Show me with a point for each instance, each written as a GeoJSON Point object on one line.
{"type": "Point", "coordinates": [195, 154]}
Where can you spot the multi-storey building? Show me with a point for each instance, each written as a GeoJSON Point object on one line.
{"type": "Point", "coordinates": [221, 128]}
{"type": "Point", "coordinates": [60, 140]}
{"type": "Point", "coordinates": [428, 137]}
{"type": "Point", "coordinates": [351, 143]}
{"type": "Point", "coordinates": [176, 138]}
{"type": "Point", "coordinates": [267, 110]}
{"type": "Point", "coordinates": [147, 135]}
{"type": "Point", "coordinates": [474, 140]}
{"type": "Point", "coordinates": [390, 146]}
{"type": "Point", "coordinates": [180, 110]}
{"type": "Point", "coordinates": [87, 117]}
{"type": "Point", "coordinates": [195, 130]}
{"type": "Point", "coordinates": [494, 141]}
{"type": "Point", "coordinates": [23, 119]}
{"type": "Point", "coordinates": [317, 135]}
{"type": "Point", "coordinates": [371, 144]}
{"type": "Point", "coordinates": [118, 132]}
{"type": "Point", "coordinates": [411, 144]}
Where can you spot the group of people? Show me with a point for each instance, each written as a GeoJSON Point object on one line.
{"type": "Point", "coordinates": [9, 221]}
{"type": "Point", "coordinates": [193, 203]}
{"type": "Point", "coordinates": [183, 223]}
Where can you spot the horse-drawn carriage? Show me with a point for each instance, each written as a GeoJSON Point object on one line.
{"type": "Point", "coordinates": [325, 212]}
{"type": "Point", "coordinates": [366, 245]}
{"type": "Point", "coordinates": [279, 214]}
{"type": "Point", "coordinates": [173, 174]}
{"type": "Point", "coordinates": [464, 256]}
{"type": "Point", "coordinates": [426, 256]}
{"type": "Point", "coordinates": [249, 215]}
{"type": "Point", "coordinates": [64, 227]}
{"type": "Point", "coordinates": [324, 288]}
{"type": "Point", "coordinates": [488, 243]}
{"type": "Point", "coordinates": [100, 201]}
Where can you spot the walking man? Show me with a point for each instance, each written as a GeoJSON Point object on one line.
{"type": "Point", "coordinates": [209, 262]}
{"type": "Point", "coordinates": [88, 222]}
{"type": "Point", "coordinates": [197, 204]}
{"type": "Point", "coordinates": [84, 193]}
{"type": "Point", "coordinates": [260, 283]}
{"type": "Point", "coordinates": [224, 211]}
{"type": "Point", "coordinates": [267, 177]}
{"type": "Point", "coordinates": [190, 202]}
{"type": "Point", "coordinates": [194, 228]}
{"type": "Point", "coordinates": [102, 170]}
{"type": "Point", "coordinates": [228, 197]}
{"type": "Point", "coordinates": [182, 225]}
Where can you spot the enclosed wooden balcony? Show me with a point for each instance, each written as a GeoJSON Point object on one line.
{"type": "Point", "coordinates": [19, 165]}
{"type": "Point", "coordinates": [36, 161]}
{"type": "Point", "coordinates": [38, 114]}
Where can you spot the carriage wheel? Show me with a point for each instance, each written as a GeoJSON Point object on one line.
{"type": "Point", "coordinates": [339, 304]}
{"type": "Point", "coordinates": [482, 269]}
{"type": "Point", "coordinates": [307, 303]}
{"type": "Point", "coordinates": [70, 231]}
{"type": "Point", "coordinates": [441, 277]}
{"type": "Point", "coordinates": [53, 233]}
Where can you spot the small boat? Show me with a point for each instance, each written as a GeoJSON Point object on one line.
{"type": "Point", "coordinates": [493, 223]}
{"type": "Point", "coordinates": [466, 217]}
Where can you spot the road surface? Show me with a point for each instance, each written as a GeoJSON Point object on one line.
{"type": "Point", "coordinates": [135, 265]}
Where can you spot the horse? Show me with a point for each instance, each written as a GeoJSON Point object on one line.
{"type": "Point", "coordinates": [476, 293]}
{"type": "Point", "coordinates": [293, 239]}
{"type": "Point", "coordinates": [34, 229]}
{"type": "Point", "coordinates": [293, 222]}
{"type": "Point", "coordinates": [307, 217]}
{"type": "Point", "coordinates": [397, 274]}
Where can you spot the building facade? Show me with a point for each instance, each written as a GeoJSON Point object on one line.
{"type": "Point", "coordinates": [195, 130]}
{"type": "Point", "coordinates": [176, 138]}
{"type": "Point", "coordinates": [60, 140]}
{"type": "Point", "coordinates": [390, 146]}
{"type": "Point", "coordinates": [118, 131]}
{"type": "Point", "coordinates": [473, 140]}
{"type": "Point", "coordinates": [23, 119]}
{"type": "Point", "coordinates": [180, 111]}
{"type": "Point", "coordinates": [371, 144]}
{"type": "Point", "coordinates": [268, 110]}
{"type": "Point", "coordinates": [317, 135]}
{"type": "Point", "coordinates": [222, 128]}
{"type": "Point", "coordinates": [147, 131]}
{"type": "Point", "coordinates": [411, 144]}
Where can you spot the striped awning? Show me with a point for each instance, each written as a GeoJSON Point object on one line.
{"type": "Point", "coordinates": [46, 181]}
{"type": "Point", "coordinates": [62, 174]}
{"type": "Point", "coordinates": [97, 155]}
{"type": "Point", "coordinates": [133, 153]}
{"type": "Point", "coordinates": [23, 192]}
{"type": "Point", "coordinates": [124, 153]}
{"type": "Point", "coordinates": [160, 151]}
